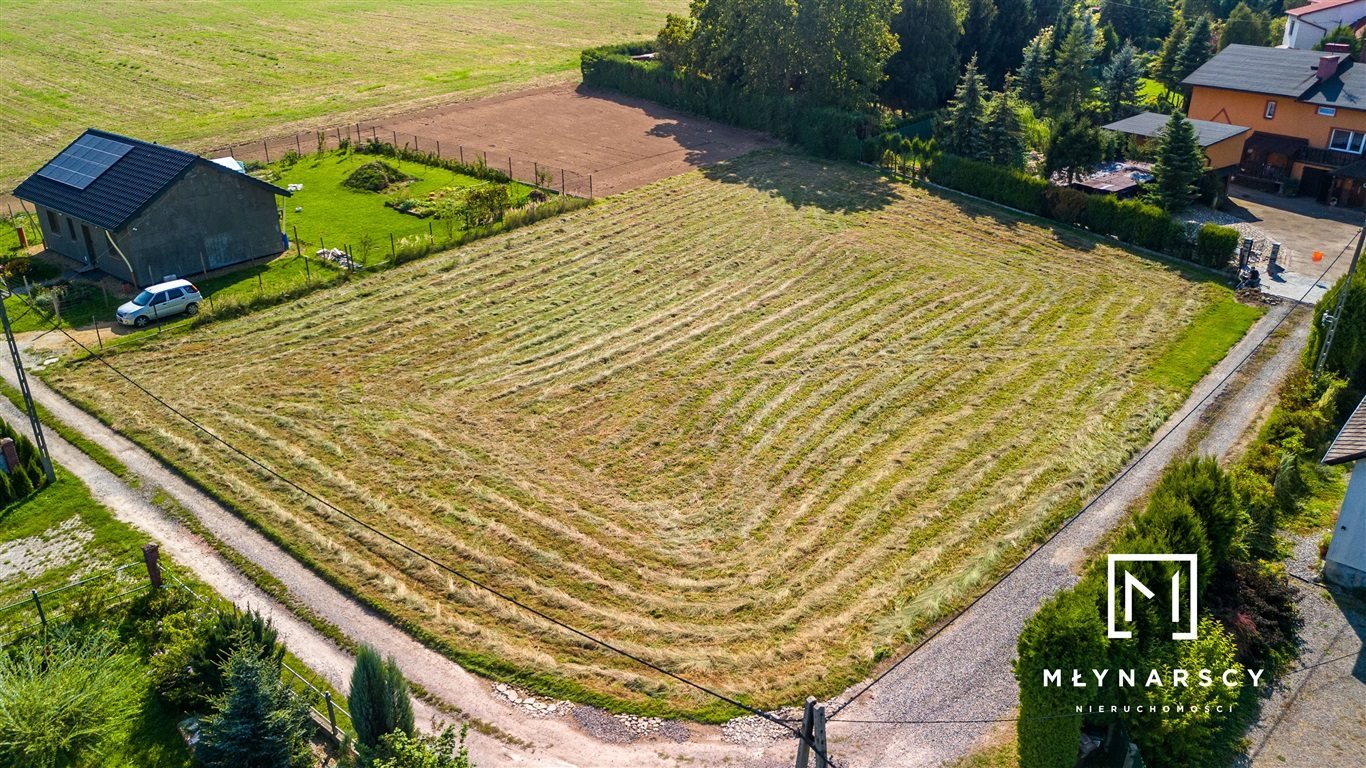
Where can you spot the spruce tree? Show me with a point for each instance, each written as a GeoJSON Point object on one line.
{"type": "Point", "coordinates": [1033, 66]}
{"type": "Point", "coordinates": [1074, 147]}
{"type": "Point", "coordinates": [378, 701]}
{"type": "Point", "coordinates": [978, 17]}
{"type": "Point", "coordinates": [1245, 27]}
{"type": "Point", "coordinates": [1164, 63]}
{"type": "Point", "coordinates": [1195, 49]}
{"type": "Point", "coordinates": [1119, 82]}
{"type": "Point", "coordinates": [1180, 163]}
{"type": "Point", "coordinates": [1011, 29]}
{"type": "Point", "coordinates": [258, 723]}
{"type": "Point", "coordinates": [1069, 81]}
{"type": "Point", "coordinates": [961, 132]}
{"type": "Point", "coordinates": [921, 74]}
{"type": "Point", "coordinates": [1001, 132]}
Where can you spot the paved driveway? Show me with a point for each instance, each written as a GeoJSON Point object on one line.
{"type": "Point", "coordinates": [1301, 226]}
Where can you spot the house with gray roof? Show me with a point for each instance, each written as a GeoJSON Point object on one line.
{"type": "Point", "coordinates": [141, 211]}
{"type": "Point", "coordinates": [1306, 111]}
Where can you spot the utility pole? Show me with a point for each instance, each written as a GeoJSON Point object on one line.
{"type": "Point", "coordinates": [37, 426]}
{"type": "Point", "coordinates": [812, 737]}
{"type": "Point", "coordinates": [1331, 321]}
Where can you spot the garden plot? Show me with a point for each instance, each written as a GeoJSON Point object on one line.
{"type": "Point", "coordinates": [757, 424]}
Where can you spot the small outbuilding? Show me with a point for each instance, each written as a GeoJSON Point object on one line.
{"type": "Point", "coordinates": [141, 211]}
{"type": "Point", "coordinates": [1345, 563]}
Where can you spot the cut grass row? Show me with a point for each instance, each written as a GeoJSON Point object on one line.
{"type": "Point", "coordinates": [754, 434]}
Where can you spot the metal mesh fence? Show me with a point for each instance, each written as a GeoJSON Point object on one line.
{"type": "Point", "coordinates": [549, 177]}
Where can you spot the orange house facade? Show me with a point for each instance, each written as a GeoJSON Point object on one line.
{"type": "Point", "coordinates": [1306, 111]}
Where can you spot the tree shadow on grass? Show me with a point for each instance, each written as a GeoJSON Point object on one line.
{"type": "Point", "coordinates": [802, 180]}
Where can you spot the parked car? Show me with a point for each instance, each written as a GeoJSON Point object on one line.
{"type": "Point", "coordinates": [161, 300]}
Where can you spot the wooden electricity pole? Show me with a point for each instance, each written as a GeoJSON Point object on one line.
{"type": "Point", "coordinates": [812, 737]}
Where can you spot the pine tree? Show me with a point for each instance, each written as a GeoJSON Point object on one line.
{"type": "Point", "coordinates": [977, 20]}
{"type": "Point", "coordinates": [961, 132]}
{"type": "Point", "coordinates": [921, 74]}
{"type": "Point", "coordinates": [1069, 81]}
{"type": "Point", "coordinates": [1180, 163]}
{"type": "Point", "coordinates": [1195, 49]}
{"type": "Point", "coordinates": [378, 700]}
{"type": "Point", "coordinates": [1003, 143]}
{"type": "Point", "coordinates": [1164, 63]}
{"type": "Point", "coordinates": [258, 723]}
{"type": "Point", "coordinates": [1119, 82]}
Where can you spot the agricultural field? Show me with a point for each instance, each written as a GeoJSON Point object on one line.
{"type": "Point", "coordinates": [760, 424]}
{"type": "Point", "coordinates": [229, 71]}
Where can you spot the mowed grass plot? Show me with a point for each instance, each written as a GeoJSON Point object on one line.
{"type": "Point", "coordinates": [337, 216]}
{"type": "Point", "coordinates": [212, 72]}
{"type": "Point", "coordinates": [758, 424]}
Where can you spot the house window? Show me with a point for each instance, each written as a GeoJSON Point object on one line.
{"type": "Point", "coordinates": [71, 227]}
{"type": "Point", "coordinates": [1270, 109]}
{"type": "Point", "coordinates": [53, 224]}
{"type": "Point", "coordinates": [1347, 141]}
{"type": "Point", "coordinates": [1328, 111]}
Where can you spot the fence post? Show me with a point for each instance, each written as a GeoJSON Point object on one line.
{"type": "Point", "coordinates": [374, 133]}
{"type": "Point", "coordinates": [308, 274]}
{"type": "Point", "coordinates": [298, 146]}
{"type": "Point", "coordinates": [42, 617]}
{"type": "Point", "coordinates": [331, 711]}
{"type": "Point", "coordinates": [561, 182]}
{"type": "Point", "coordinates": [151, 554]}
{"type": "Point", "coordinates": [393, 249]}
{"type": "Point", "coordinates": [590, 186]}
{"type": "Point", "coordinates": [462, 154]}
{"type": "Point", "coordinates": [266, 147]}
{"type": "Point", "coordinates": [395, 139]}
{"type": "Point", "coordinates": [438, 148]}
{"type": "Point", "coordinates": [415, 147]}
{"type": "Point", "coordinates": [298, 247]}
{"type": "Point", "coordinates": [260, 285]}
{"type": "Point", "coordinates": [98, 339]}
{"type": "Point", "coordinates": [509, 168]}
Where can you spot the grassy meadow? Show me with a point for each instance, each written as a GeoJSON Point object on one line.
{"type": "Point", "coordinates": [760, 424]}
{"type": "Point", "coordinates": [208, 73]}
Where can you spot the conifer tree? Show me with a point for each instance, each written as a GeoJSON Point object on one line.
{"type": "Point", "coordinates": [1074, 147]}
{"type": "Point", "coordinates": [961, 132]}
{"type": "Point", "coordinates": [1119, 82]}
{"type": "Point", "coordinates": [1003, 143]}
{"type": "Point", "coordinates": [1179, 165]}
{"type": "Point", "coordinates": [378, 701]}
{"type": "Point", "coordinates": [1196, 49]}
{"type": "Point", "coordinates": [258, 723]}
{"type": "Point", "coordinates": [1033, 67]}
{"type": "Point", "coordinates": [1069, 81]}
{"type": "Point", "coordinates": [1164, 63]}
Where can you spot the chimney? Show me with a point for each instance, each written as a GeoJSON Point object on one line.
{"type": "Point", "coordinates": [1337, 48]}
{"type": "Point", "coordinates": [1328, 66]}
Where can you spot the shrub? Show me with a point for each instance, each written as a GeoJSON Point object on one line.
{"type": "Point", "coordinates": [187, 668]}
{"type": "Point", "coordinates": [1257, 607]}
{"type": "Point", "coordinates": [378, 701]}
{"type": "Point", "coordinates": [64, 701]}
{"type": "Point", "coordinates": [1132, 221]}
{"type": "Point", "coordinates": [375, 176]}
{"type": "Point", "coordinates": [1002, 185]}
{"type": "Point", "coordinates": [1064, 204]}
{"type": "Point", "coordinates": [1348, 355]}
{"type": "Point", "coordinates": [1066, 633]}
{"type": "Point", "coordinates": [408, 751]}
{"type": "Point", "coordinates": [1215, 245]}
{"type": "Point", "coordinates": [258, 722]}
{"type": "Point", "coordinates": [1203, 484]}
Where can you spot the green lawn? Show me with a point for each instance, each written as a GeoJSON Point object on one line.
{"type": "Point", "coordinates": [1203, 343]}
{"type": "Point", "coordinates": [338, 216]}
{"type": "Point", "coordinates": [208, 73]}
{"type": "Point", "coordinates": [1152, 93]}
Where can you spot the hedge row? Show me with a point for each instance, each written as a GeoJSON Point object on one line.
{"type": "Point", "coordinates": [24, 479]}
{"type": "Point", "coordinates": [1131, 221]}
{"type": "Point", "coordinates": [820, 130]}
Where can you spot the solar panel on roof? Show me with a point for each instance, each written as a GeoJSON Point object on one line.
{"type": "Point", "coordinates": [81, 163]}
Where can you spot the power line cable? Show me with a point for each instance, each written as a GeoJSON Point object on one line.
{"type": "Point", "coordinates": [1161, 439]}
{"type": "Point", "coordinates": [435, 562]}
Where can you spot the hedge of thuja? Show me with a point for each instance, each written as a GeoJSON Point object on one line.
{"type": "Point", "coordinates": [821, 130]}
{"type": "Point", "coordinates": [1215, 245]}
{"type": "Point", "coordinates": [1132, 221]}
{"type": "Point", "coordinates": [1007, 186]}
{"type": "Point", "coordinates": [26, 478]}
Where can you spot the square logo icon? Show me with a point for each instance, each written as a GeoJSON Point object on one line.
{"type": "Point", "coordinates": [1128, 584]}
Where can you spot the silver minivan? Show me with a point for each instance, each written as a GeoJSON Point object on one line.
{"type": "Point", "coordinates": [161, 300]}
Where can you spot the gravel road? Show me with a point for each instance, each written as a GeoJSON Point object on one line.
{"type": "Point", "coordinates": [964, 672]}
